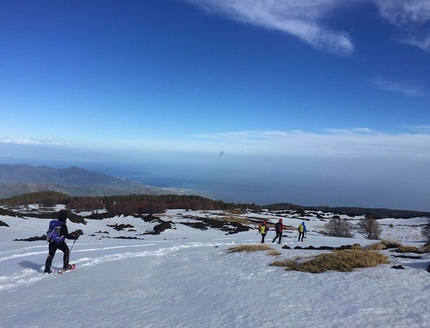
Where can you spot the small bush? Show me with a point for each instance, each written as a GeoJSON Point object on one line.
{"type": "Point", "coordinates": [343, 261]}
{"type": "Point", "coordinates": [369, 227]}
{"type": "Point", "coordinates": [250, 248]}
{"type": "Point", "coordinates": [338, 227]}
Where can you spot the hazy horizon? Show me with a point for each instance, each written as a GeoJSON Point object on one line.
{"type": "Point", "coordinates": [262, 180]}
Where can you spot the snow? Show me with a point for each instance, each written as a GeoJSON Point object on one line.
{"type": "Point", "coordinates": [184, 277]}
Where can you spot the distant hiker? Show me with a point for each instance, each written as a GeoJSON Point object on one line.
{"type": "Point", "coordinates": [263, 229]}
{"type": "Point", "coordinates": [57, 234]}
{"type": "Point", "coordinates": [279, 228]}
{"type": "Point", "coordinates": [302, 231]}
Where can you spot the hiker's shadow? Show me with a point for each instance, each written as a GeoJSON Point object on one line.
{"type": "Point", "coordinates": [31, 265]}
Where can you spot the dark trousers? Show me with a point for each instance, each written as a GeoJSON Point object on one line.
{"type": "Point", "coordinates": [262, 237]}
{"type": "Point", "coordinates": [53, 246]}
{"type": "Point", "coordinates": [278, 235]}
{"type": "Point", "coordinates": [301, 236]}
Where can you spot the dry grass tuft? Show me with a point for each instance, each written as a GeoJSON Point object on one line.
{"type": "Point", "coordinates": [274, 253]}
{"type": "Point", "coordinates": [376, 247]}
{"type": "Point", "coordinates": [357, 247]}
{"type": "Point", "coordinates": [250, 248]}
{"type": "Point", "coordinates": [391, 243]}
{"type": "Point", "coordinates": [407, 249]}
{"type": "Point", "coordinates": [343, 261]}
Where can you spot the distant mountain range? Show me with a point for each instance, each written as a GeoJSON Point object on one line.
{"type": "Point", "coordinates": [74, 181]}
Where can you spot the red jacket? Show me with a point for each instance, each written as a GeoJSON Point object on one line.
{"type": "Point", "coordinates": [279, 226]}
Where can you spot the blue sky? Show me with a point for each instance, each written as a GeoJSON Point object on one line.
{"type": "Point", "coordinates": [316, 82]}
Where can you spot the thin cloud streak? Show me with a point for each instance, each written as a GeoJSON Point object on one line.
{"type": "Point", "coordinates": [409, 89]}
{"type": "Point", "coordinates": [335, 142]}
{"type": "Point", "coordinates": [330, 143]}
{"type": "Point", "coordinates": [298, 18]}
{"type": "Point", "coordinates": [48, 141]}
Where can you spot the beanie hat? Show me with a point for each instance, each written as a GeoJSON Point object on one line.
{"type": "Point", "coordinates": [62, 216]}
{"type": "Point", "coordinates": [280, 220]}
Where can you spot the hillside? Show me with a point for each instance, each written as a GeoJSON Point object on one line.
{"type": "Point", "coordinates": [378, 213]}
{"type": "Point", "coordinates": [74, 181]}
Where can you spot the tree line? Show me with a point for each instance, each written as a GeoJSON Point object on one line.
{"type": "Point", "coordinates": [126, 204]}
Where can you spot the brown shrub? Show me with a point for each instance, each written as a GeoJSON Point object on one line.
{"type": "Point", "coordinates": [391, 243]}
{"type": "Point", "coordinates": [343, 261]}
{"type": "Point", "coordinates": [376, 247]}
{"type": "Point", "coordinates": [250, 248]}
{"type": "Point", "coordinates": [407, 249]}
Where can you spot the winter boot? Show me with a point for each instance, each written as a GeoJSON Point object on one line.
{"type": "Point", "coordinates": [67, 267]}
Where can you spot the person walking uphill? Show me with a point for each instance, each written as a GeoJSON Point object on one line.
{"type": "Point", "coordinates": [302, 231]}
{"type": "Point", "coordinates": [57, 234]}
{"type": "Point", "coordinates": [263, 229]}
{"type": "Point", "coordinates": [279, 228]}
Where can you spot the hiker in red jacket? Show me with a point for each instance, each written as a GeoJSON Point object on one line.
{"type": "Point", "coordinates": [279, 228]}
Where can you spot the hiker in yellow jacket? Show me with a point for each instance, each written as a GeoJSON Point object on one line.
{"type": "Point", "coordinates": [263, 229]}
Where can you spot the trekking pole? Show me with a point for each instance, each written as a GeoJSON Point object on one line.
{"type": "Point", "coordinates": [68, 256]}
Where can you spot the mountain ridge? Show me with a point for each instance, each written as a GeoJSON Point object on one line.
{"type": "Point", "coordinates": [17, 179]}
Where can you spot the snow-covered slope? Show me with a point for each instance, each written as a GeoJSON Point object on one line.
{"type": "Point", "coordinates": [184, 277]}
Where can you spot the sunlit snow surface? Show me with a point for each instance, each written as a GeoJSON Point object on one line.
{"type": "Point", "coordinates": [185, 278]}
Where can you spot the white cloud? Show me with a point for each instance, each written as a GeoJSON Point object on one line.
{"type": "Point", "coordinates": [410, 89]}
{"type": "Point", "coordinates": [303, 19]}
{"type": "Point", "coordinates": [413, 16]}
{"type": "Point", "coordinates": [48, 141]}
{"type": "Point", "coordinates": [299, 18]}
{"type": "Point", "coordinates": [423, 43]}
{"type": "Point", "coordinates": [333, 143]}
{"type": "Point", "coordinates": [406, 12]}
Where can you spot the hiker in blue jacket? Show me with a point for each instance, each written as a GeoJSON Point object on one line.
{"type": "Point", "coordinates": [302, 231]}
{"type": "Point", "coordinates": [60, 244]}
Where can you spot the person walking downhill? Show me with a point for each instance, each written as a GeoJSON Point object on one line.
{"type": "Point", "coordinates": [57, 241]}
{"type": "Point", "coordinates": [279, 228]}
{"type": "Point", "coordinates": [302, 231]}
{"type": "Point", "coordinates": [263, 229]}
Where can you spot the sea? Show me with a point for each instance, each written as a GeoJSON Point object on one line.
{"type": "Point", "coordinates": [212, 183]}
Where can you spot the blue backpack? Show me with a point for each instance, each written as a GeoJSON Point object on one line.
{"type": "Point", "coordinates": [53, 233]}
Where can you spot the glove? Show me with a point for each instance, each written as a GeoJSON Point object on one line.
{"type": "Point", "coordinates": [75, 237]}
